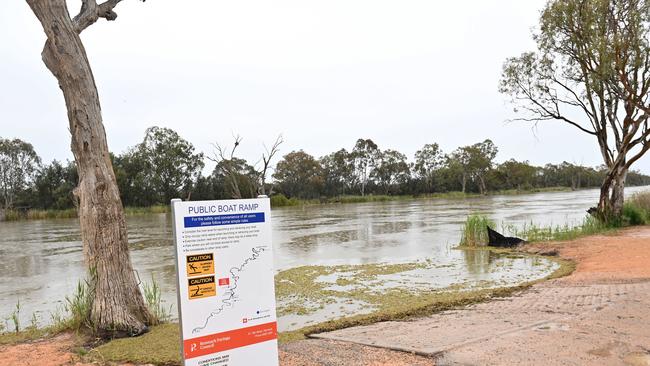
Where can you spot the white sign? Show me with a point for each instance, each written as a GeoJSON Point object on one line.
{"type": "Point", "coordinates": [226, 295]}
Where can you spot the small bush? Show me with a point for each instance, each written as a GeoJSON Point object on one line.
{"type": "Point", "coordinates": [280, 200]}
{"type": "Point", "coordinates": [78, 306]}
{"type": "Point", "coordinates": [634, 215]}
{"type": "Point", "coordinates": [640, 200]}
{"type": "Point", "coordinates": [475, 230]}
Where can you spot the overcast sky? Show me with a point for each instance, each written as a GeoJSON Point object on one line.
{"type": "Point", "coordinates": [321, 73]}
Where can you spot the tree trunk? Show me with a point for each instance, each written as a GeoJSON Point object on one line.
{"type": "Point", "coordinates": [618, 188]}
{"type": "Point", "coordinates": [482, 187]}
{"type": "Point", "coordinates": [463, 181]}
{"type": "Point", "coordinates": [610, 203]}
{"type": "Point", "coordinates": [118, 306]}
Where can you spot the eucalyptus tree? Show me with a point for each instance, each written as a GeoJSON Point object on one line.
{"type": "Point", "coordinates": [591, 71]}
{"type": "Point", "coordinates": [428, 161]}
{"type": "Point", "coordinates": [338, 172]}
{"type": "Point", "coordinates": [170, 163]}
{"type": "Point", "coordinates": [365, 155]}
{"type": "Point", "coordinates": [473, 162]}
{"type": "Point", "coordinates": [482, 156]}
{"type": "Point", "coordinates": [53, 186]}
{"type": "Point", "coordinates": [299, 175]}
{"type": "Point", "coordinates": [392, 170]}
{"type": "Point", "coordinates": [18, 164]}
{"type": "Point", "coordinates": [517, 174]}
{"type": "Point", "coordinates": [117, 303]}
{"type": "Point", "coordinates": [235, 178]}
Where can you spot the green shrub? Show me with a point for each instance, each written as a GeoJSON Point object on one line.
{"type": "Point", "coordinates": [280, 200]}
{"type": "Point", "coordinates": [634, 215]}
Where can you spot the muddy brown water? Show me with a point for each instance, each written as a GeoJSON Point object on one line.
{"type": "Point", "coordinates": [41, 261]}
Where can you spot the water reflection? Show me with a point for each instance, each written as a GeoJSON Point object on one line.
{"type": "Point", "coordinates": [477, 261]}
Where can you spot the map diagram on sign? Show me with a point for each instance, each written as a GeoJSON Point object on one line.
{"type": "Point", "coordinates": [231, 295]}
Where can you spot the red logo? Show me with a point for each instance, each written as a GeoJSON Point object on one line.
{"type": "Point", "coordinates": [245, 320]}
{"type": "Point", "coordinates": [224, 281]}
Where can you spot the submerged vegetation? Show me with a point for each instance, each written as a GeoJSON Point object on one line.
{"type": "Point", "coordinates": [474, 232]}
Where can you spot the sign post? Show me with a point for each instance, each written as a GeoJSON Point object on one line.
{"type": "Point", "coordinates": [225, 282]}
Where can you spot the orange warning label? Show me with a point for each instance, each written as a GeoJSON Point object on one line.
{"type": "Point", "coordinates": [200, 264]}
{"type": "Point", "coordinates": [200, 287]}
{"type": "Point", "coordinates": [228, 340]}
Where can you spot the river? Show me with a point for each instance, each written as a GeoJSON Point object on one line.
{"type": "Point", "coordinates": [42, 260]}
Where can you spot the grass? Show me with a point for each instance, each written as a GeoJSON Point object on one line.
{"type": "Point", "coordinates": [75, 314]}
{"type": "Point", "coordinates": [474, 232]}
{"type": "Point", "coordinates": [35, 214]}
{"type": "Point", "coordinates": [532, 232]}
{"type": "Point", "coordinates": [153, 297]}
{"type": "Point", "coordinates": [160, 346]}
{"type": "Point", "coordinates": [15, 317]}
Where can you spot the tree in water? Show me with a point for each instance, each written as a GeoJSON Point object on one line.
{"type": "Point", "coordinates": [118, 307]}
{"type": "Point", "coordinates": [591, 71]}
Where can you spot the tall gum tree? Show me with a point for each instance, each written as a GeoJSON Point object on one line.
{"type": "Point", "coordinates": [118, 307]}
{"type": "Point", "coordinates": [591, 70]}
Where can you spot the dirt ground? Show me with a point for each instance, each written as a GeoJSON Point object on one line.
{"type": "Point", "coordinates": [599, 315]}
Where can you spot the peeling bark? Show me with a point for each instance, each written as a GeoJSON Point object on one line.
{"type": "Point", "coordinates": [118, 306]}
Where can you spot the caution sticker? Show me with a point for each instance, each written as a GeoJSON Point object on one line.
{"type": "Point", "coordinates": [200, 264]}
{"type": "Point", "coordinates": [200, 287]}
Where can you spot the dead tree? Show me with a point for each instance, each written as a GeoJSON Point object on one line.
{"type": "Point", "coordinates": [228, 165]}
{"type": "Point", "coordinates": [118, 306]}
{"type": "Point", "coordinates": [267, 157]}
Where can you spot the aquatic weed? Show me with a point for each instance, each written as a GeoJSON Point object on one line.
{"type": "Point", "coordinates": [474, 232]}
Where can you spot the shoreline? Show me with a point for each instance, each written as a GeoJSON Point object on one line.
{"type": "Point", "coordinates": [596, 315]}
{"type": "Point", "coordinates": [12, 215]}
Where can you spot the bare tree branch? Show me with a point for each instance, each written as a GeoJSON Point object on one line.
{"type": "Point", "coordinates": [90, 12]}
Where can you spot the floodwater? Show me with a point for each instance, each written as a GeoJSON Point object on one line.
{"type": "Point", "coordinates": [42, 261]}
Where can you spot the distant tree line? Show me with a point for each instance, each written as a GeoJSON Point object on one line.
{"type": "Point", "coordinates": [164, 166]}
